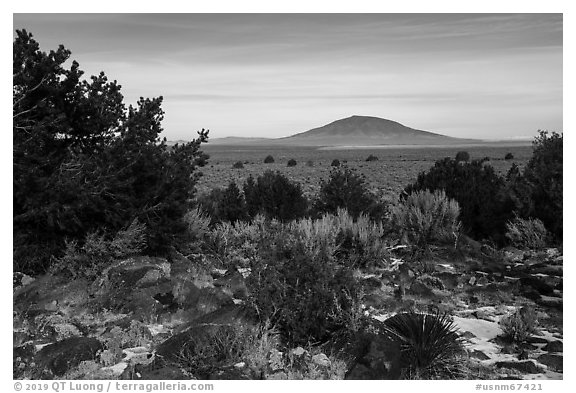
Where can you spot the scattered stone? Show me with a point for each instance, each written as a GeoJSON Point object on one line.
{"type": "Point", "coordinates": [553, 361]}
{"type": "Point", "coordinates": [379, 359]}
{"type": "Point", "coordinates": [472, 280]}
{"type": "Point", "coordinates": [476, 354]}
{"type": "Point", "coordinates": [467, 335]}
{"type": "Point", "coordinates": [536, 340]}
{"type": "Point", "coordinates": [298, 351]}
{"type": "Point", "coordinates": [63, 355]}
{"type": "Point", "coordinates": [321, 359]}
{"type": "Point", "coordinates": [240, 365]}
{"type": "Point", "coordinates": [525, 366]}
{"type": "Point", "coordinates": [554, 346]}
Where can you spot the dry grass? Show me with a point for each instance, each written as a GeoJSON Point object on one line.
{"type": "Point", "coordinates": [394, 170]}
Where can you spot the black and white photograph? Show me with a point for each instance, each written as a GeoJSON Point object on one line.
{"type": "Point", "coordinates": [287, 196]}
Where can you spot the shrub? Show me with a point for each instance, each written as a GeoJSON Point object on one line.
{"type": "Point", "coordinates": [527, 233]}
{"type": "Point", "coordinates": [269, 159]}
{"type": "Point", "coordinates": [198, 223]}
{"type": "Point", "coordinates": [544, 173]}
{"type": "Point", "coordinates": [509, 156]}
{"type": "Point", "coordinates": [430, 344]}
{"type": "Point", "coordinates": [310, 163]}
{"type": "Point", "coordinates": [426, 217]}
{"type": "Point", "coordinates": [356, 243]}
{"type": "Point", "coordinates": [238, 165]}
{"type": "Point", "coordinates": [372, 157]}
{"type": "Point", "coordinates": [520, 325]}
{"type": "Point", "coordinates": [274, 195]}
{"type": "Point", "coordinates": [292, 162]}
{"type": "Point", "coordinates": [335, 162]}
{"type": "Point", "coordinates": [214, 348]}
{"type": "Point", "coordinates": [297, 283]}
{"type": "Point", "coordinates": [462, 156]}
{"type": "Point", "coordinates": [485, 205]}
{"type": "Point", "coordinates": [348, 190]}
{"type": "Point", "coordinates": [96, 253]}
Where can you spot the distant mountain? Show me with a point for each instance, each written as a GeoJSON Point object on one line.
{"type": "Point", "coordinates": [238, 140]}
{"type": "Point", "coordinates": [353, 131]}
{"type": "Point", "coordinates": [369, 131]}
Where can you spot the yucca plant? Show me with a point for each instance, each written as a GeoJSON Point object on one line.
{"type": "Point", "coordinates": [429, 343]}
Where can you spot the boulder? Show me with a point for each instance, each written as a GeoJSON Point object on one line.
{"type": "Point", "coordinates": [554, 346]}
{"type": "Point", "coordinates": [525, 366]}
{"type": "Point", "coordinates": [63, 355]}
{"type": "Point", "coordinates": [554, 362]}
{"type": "Point", "coordinates": [321, 360]}
{"type": "Point", "coordinates": [377, 358]}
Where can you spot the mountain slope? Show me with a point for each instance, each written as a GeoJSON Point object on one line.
{"type": "Point", "coordinates": [367, 130]}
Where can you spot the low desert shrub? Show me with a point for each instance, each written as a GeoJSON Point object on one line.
{"type": "Point", "coordinates": [89, 259]}
{"type": "Point", "coordinates": [346, 189]}
{"type": "Point", "coordinates": [527, 233]}
{"type": "Point", "coordinates": [335, 163]}
{"type": "Point", "coordinates": [303, 292]}
{"type": "Point", "coordinates": [356, 242]}
{"type": "Point", "coordinates": [275, 196]}
{"type": "Point", "coordinates": [485, 205]}
{"type": "Point", "coordinates": [292, 162]}
{"type": "Point", "coordinates": [197, 224]}
{"type": "Point", "coordinates": [520, 325]}
{"type": "Point", "coordinates": [544, 173]}
{"type": "Point", "coordinates": [218, 346]}
{"type": "Point", "coordinates": [269, 159]}
{"type": "Point", "coordinates": [429, 343]}
{"type": "Point", "coordinates": [509, 156]}
{"type": "Point", "coordinates": [462, 156]}
{"type": "Point", "coordinates": [238, 165]}
{"type": "Point", "coordinates": [371, 157]}
{"type": "Point", "coordinates": [426, 217]}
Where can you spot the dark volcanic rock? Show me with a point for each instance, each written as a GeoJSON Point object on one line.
{"type": "Point", "coordinates": [63, 355]}
{"type": "Point", "coordinates": [552, 361]}
{"type": "Point", "coordinates": [554, 346]}
{"type": "Point", "coordinates": [379, 359]}
{"type": "Point", "coordinates": [538, 284]}
{"type": "Point", "coordinates": [525, 366]}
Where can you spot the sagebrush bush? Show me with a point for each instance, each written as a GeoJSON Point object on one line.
{"type": "Point", "coordinates": [274, 195]}
{"type": "Point", "coordinates": [292, 162]}
{"type": "Point", "coordinates": [269, 159]}
{"type": "Point", "coordinates": [485, 205]}
{"type": "Point", "coordinates": [197, 223]}
{"type": "Point", "coordinates": [96, 253]}
{"type": "Point", "coordinates": [509, 156]}
{"type": "Point", "coordinates": [356, 242]}
{"type": "Point", "coordinates": [527, 233]}
{"type": "Point", "coordinates": [238, 165]}
{"type": "Point", "coordinates": [372, 157]}
{"type": "Point", "coordinates": [520, 325]}
{"type": "Point", "coordinates": [426, 217]}
{"type": "Point", "coordinates": [429, 343]}
{"type": "Point", "coordinates": [297, 279]}
{"type": "Point", "coordinates": [335, 162]}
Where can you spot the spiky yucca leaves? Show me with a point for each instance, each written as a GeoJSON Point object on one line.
{"type": "Point", "coordinates": [430, 345]}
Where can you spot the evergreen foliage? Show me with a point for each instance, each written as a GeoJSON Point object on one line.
{"type": "Point", "coordinates": [485, 205]}
{"type": "Point", "coordinates": [83, 162]}
{"type": "Point", "coordinates": [274, 195]}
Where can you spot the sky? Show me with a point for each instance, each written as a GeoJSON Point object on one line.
{"type": "Point", "coordinates": [486, 76]}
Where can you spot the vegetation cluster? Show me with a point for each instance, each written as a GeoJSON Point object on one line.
{"type": "Point", "coordinates": [94, 183]}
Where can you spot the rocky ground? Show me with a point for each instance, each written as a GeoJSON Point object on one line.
{"type": "Point", "coordinates": [139, 318]}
